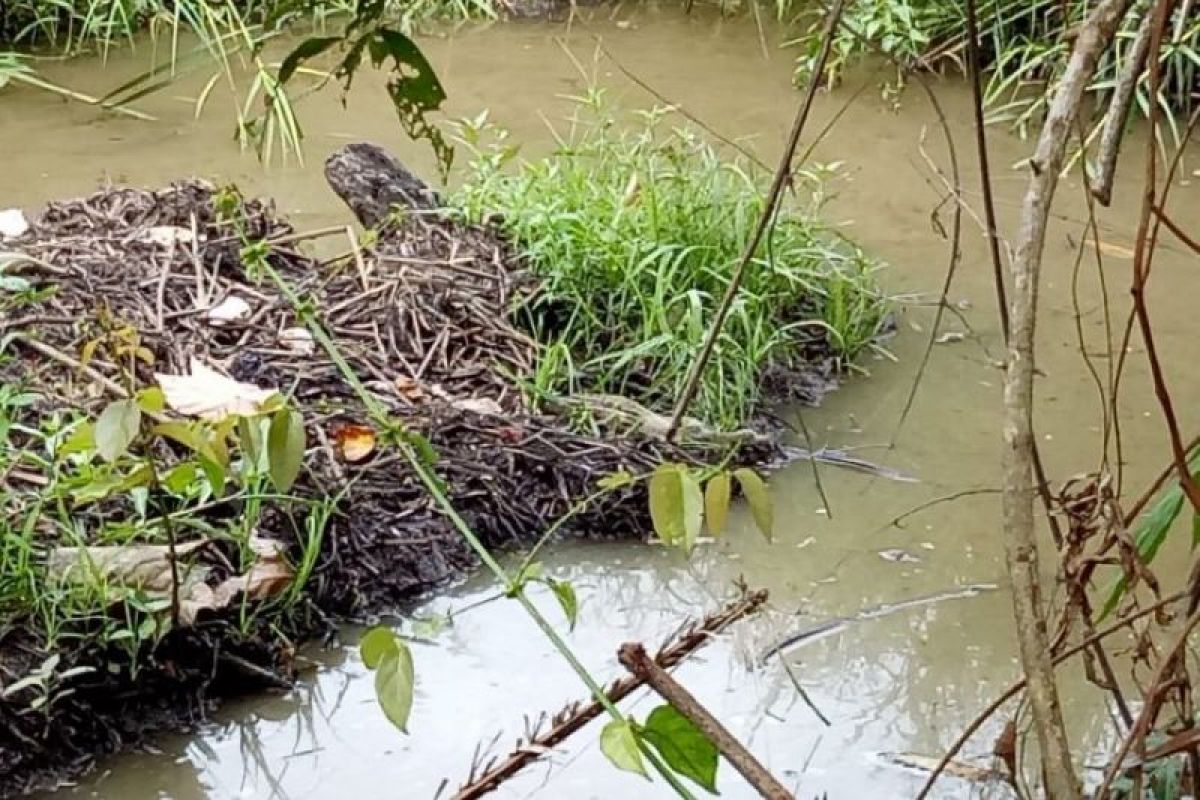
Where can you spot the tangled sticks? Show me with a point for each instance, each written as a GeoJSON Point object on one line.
{"type": "Point", "coordinates": [421, 317]}
{"type": "Point", "coordinates": [419, 312]}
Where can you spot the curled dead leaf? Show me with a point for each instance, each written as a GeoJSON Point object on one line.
{"type": "Point", "coordinates": [231, 309]}
{"type": "Point", "coordinates": [147, 569]}
{"type": "Point", "coordinates": [353, 442]}
{"type": "Point", "coordinates": [298, 340]}
{"type": "Point", "coordinates": [408, 388]}
{"type": "Point", "coordinates": [208, 394]}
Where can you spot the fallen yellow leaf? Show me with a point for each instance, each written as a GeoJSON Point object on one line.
{"type": "Point", "coordinates": [353, 442]}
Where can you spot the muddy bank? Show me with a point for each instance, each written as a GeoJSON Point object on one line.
{"type": "Point", "coordinates": [418, 310]}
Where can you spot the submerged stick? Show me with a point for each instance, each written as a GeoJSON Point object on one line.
{"type": "Point", "coordinates": [1020, 538]}
{"type": "Point", "coordinates": [576, 716]}
{"type": "Point", "coordinates": [632, 656]}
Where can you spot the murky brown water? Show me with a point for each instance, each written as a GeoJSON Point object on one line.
{"type": "Point", "coordinates": [906, 681]}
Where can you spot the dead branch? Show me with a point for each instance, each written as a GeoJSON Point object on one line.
{"type": "Point", "coordinates": [1020, 539]}
{"type": "Point", "coordinates": [633, 657]}
{"type": "Point", "coordinates": [1118, 112]}
{"type": "Point", "coordinates": [1144, 254]}
{"type": "Point", "coordinates": [985, 173]}
{"type": "Point", "coordinates": [575, 716]}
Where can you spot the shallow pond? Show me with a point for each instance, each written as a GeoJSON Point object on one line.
{"type": "Point", "coordinates": [901, 681]}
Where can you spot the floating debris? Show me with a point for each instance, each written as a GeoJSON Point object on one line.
{"type": "Point", "coordinates": [898, 556]}
{"type": "Point", "coordinates": [12, 223]}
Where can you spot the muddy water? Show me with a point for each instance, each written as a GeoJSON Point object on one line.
{"type": "Point", "coordinates": [901, 681]}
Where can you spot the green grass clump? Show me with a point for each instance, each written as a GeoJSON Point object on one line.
{"type": "Point", "coordinates": [634, 232]}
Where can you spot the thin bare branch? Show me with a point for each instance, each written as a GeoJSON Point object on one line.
{"type": "Point", "coordinates": [782, 176]}
{"type": "Point", "coordinates": [1118, 112]}
{"type": "Point", "coordinates": [1094, 37]}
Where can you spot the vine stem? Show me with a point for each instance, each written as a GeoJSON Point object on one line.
{"type": "Point", "coordinates": [433, 485]}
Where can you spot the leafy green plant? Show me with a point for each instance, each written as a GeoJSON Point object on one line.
{"type": "Point", "coordinates": [634, 234]}
{"type": "Point", "coordinates": [232, 38]}
{"type": "Point", "coordinates": [46, 684]}
{"type": "Point", "coordinates": [682, 745]}
{"type": "Point", "coordinates": [680, 506]}
{"type": "Point", "coordinates": [387, 655]}
{"type": "Point", "coordinates": [1151, 530]}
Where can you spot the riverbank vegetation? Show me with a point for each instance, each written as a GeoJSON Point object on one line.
{"type": "Point", "coordinates": [1023, 47]}
{"type": "Point", "coordinates": [633, 232]}
{"type": "Point", "coordinates": [201, 425]}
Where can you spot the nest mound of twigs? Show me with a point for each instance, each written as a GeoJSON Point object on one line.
{"type": "Point", "coordinates": [421, 317]}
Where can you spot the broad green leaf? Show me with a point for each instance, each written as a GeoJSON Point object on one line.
{"type": "Point", "coordinates": [615, 480]}
{"type": "Point", "coordinates": [285, 448]}
{"type": "Point", "coordinates": [682, 745]}
{"type": "Point", "coordinates": [181, 433]}
{"type": "Point", "coordinates": [618, 742]}
{"type": "Point", "coordinates": [141, 475]}
{"type": "Point", "coordinates": [81, 440]}
{"type": "Point", "coordinates": [676, 505]}
{"type": "Point", "coordinates": [152, 400]}
{"type": "Point", "coordinates": [530, 572]}
{"type": "Point", "coordinates": [180, 477]}
{"type": "Point", "coordinates": [214, 471]}
{"type": "Point", "coordinates": [759, 498]}
{"type": "Point", "coordinates": [252, 441]}
{"type": "Point", "coordinates": [376, 644]}
{"type": "Point", "coordinates": [394, 679]}
{"type": "Point", "coordinates": [565, 592]}
{"type": "Point", "coordinates": [414, 89]}
{"type": "Point", "coordinates": [102, 485]}
{"type": "Point", "coordinates": [116, 428]}
{"type": "Point", "coordinates": [716, 502]}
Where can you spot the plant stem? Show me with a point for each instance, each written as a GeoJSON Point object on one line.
{"type": "Point", "coordinates": [783, 173]}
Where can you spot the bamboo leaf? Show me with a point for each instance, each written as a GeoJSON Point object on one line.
{"type": "Point", "coordinates": [759, 498]}
{"type": "Point", "coordinates": [116, 428]}
{"type": "Point", "coordinates": [618, 742]}
{"type": "Point", "coordinates": [716, 502]}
